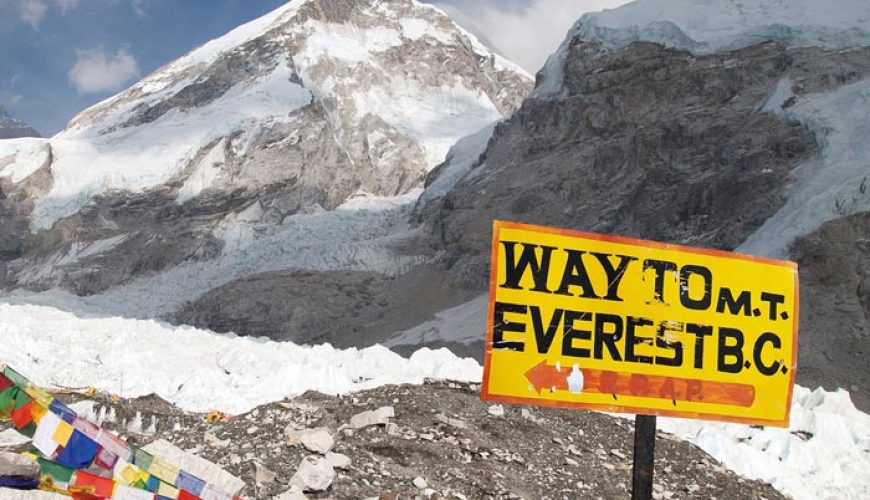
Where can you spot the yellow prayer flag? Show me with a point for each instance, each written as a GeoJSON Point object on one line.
{"type": "Point", "coordinates": [37, 412]}
{"type": "Point", "coordinates": [164, 471]}
{"type": "Point", "coordinates": [167, 491]}
{"type": "Point", "coordinates": [41, 397]}
{"type": "Point", "coordinates": [62, 433]}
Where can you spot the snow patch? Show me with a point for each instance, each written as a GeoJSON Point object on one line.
{"type": "Point", "coordinates": [836, 185]}
{"type": "Point", "coordinates": [19, 158]}
{"type": "Point", "coordinates": [781, 95]}
{"type": "Point", "coordinates": [205, 174]}
{"type": "Point", "coordinates": [346, 42]}
{"type": "Point", "coordinates": [433, 117]}
{"type": "Point", "coordinates": [415, 29]}
{"type": "Point", "coordinates": [460, 160]}
{"type": "Point", "coordinates": [200, 370]}
{"type": "Point", "coordinates": [825, 453]}
{"type": "Point", "coordinates": [87, 163]}
{"type": "Point", "coordinates": [360, 235]}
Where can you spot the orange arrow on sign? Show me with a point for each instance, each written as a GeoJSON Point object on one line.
{"type": "Point", "coordinates": [544, 376]}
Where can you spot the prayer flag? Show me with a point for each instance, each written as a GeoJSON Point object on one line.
{"type": "Point", "coordinates": [105, 459]}
{"type": "Point", "coordinates": [183, 495]}
{"type": "Point", "coordinates": [123, 492]}
{"type": "Point", "coordinates": [163, 470]}
{"type": "Point", "coordinates": [59, 473]}
{"type": "Point", "coordinates": [63, 433]}
{"type": "Point", "coordinates": [5, 383]}
{"type": "Point", "coordinates": [62, 411]}
{"type": "Point", "coordinates": [41, 397]}
{"type": "Point", "coordinates": [23, 415]}
{"type": "Point", "coordinates": [15, 377]}
{"type": "Point", "coordinates": [190, 483]}
{"type": "Point", "coordinates": [167, 491]}
{"type": "Point", "coordinates": [43, 438]}
{"type": "Point", "coordinates": [79, 452]}
{"type": "Point", "coordinates": [94, 485]}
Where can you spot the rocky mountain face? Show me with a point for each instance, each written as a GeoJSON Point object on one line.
{"type": "Point", "coordinates": [733, 148]}
{"type": "Point", "coordinates": [11, 128]}
{"type": "Point", "coordinates": [296, 112]}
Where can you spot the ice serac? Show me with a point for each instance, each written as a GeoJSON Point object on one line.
{"type": "Point", "coordinates": [12, 128]}
{"type": "Point", "coordinates": [299, 111]}
{"type": "Point", "coordinates": [737, 125]}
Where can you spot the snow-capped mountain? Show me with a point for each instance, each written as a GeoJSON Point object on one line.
{"type": "Point", "coordinates": [11, 128]}
{"type": "Point", "coordinates": [296, 112]}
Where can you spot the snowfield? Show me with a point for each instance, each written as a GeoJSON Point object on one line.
{"type": "Point", "coordinates": [825, 454]}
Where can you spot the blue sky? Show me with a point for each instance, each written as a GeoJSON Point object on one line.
{"type": "Point", "coordinates": [57, 57]}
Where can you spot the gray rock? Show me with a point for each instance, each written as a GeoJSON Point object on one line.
{"type": "Point", "coordinates": [453, 422]}
{"type": "Point", "coordinates": [318, 441]}
{"type": "Point", "coordinates": [12, 464]}
{"type": "Point", "coordinates": [381, 416]}
{"type": "Point", "coordinates": [420, 483]}
{"type": "Point", "coordinates": [314, 474]}
{"type": "Point", "coordinates": [262, 475]}
{"type": "Point", "coordinates": [496, 410]}
{"type": "Point", "coordinates": [338, 461]}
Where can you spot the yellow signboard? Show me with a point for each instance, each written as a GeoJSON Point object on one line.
{"type": "Point", "coordinates": [590, 321]}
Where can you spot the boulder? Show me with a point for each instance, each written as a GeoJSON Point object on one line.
{"type": "Point", "coordinates": [381, 416]}
{"type": "Point", "coordinates": [314, 474]}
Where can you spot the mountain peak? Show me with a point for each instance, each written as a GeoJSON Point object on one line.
{"type": "Point", "coordinates": [12, 128]}
{"type": "Point", "coordinates": [381, 88]}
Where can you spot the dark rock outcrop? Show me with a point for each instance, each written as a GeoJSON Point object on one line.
{"type": "Point", "coordinates": [834, 341]}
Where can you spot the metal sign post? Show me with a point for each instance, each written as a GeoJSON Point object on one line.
{"type": "Point", "coordinates": [644, 457]}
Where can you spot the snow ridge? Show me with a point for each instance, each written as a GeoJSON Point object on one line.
{"type": "Point", "coordinates": [709, 26]}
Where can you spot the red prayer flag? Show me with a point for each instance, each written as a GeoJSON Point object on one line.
{"type": "Point", "coordinates": [23, 416]}
{"type": "Point", "coordinates": [102, 487]}
{"type": "Point", "coordinates": [185, 495]}
{"type": "Point", "coordinates": [5, 383]}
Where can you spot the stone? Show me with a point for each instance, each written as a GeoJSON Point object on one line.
{"type": "Point", "coordinates": [11, 437]}
{"type": "Point", "coordinates": [420, 483]}
{"type": "Point", "coordinates": [318, 441]}
{"type": "Point", "coordinates": [215, 442]}
{"type": "Point", "coordinates": [12, 464]}
{"type": "Point", "coordinates": [381, 416]}
{"type": "Point", "coordinates": [452, 422]}
{"type": "Point", "coordinates": [314, 474]}
{"type": "Point", "coordinates": [496, 410]}
{"type": "Point", "coordinates": [338, 461]}
{"type": "Point", "coordinates": [292, 494]}
{"type": "Point", "coordinates": [262, 475]}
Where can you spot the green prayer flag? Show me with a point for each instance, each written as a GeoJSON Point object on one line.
{"type": "Point", "coordinates": [143, 459]}
{"type": "Point", "coordinates": [16, 378]}
{"type": "Point", "coordinates": [57, 472]}
{"type": "Point", "coordinates": [7, 399]}
{"type": "Point", "coordinates": [28, 430]}
{"type": "Point", "coordinates": [21, 399]}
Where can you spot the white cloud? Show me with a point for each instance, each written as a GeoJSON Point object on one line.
{"type": "Point", "coordinates": [139, 8]}
{"type": "Point", "coordinates": [32, 12]}
{"type": "Point", "coordinates": [95, 71]}
{"type": "Point", "coordinates": [527, 35]}
{"type": "Point", "coordinates": [66, 5]}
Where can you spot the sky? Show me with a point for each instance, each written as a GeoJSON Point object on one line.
{"type": "Point", "coordinates": [58, 57]}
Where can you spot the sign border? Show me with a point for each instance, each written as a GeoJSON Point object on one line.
{"type": "Point", "coordinates": [498, 225]}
